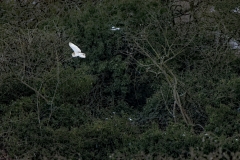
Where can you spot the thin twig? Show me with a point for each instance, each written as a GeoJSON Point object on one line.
{"type": "Point", "coordinates": [56, 87]}
{"type": "Point", "coordinates": [37, 92]}
{"type": "Point", "coordinates": [38, 109]}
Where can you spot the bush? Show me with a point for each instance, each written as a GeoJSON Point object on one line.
{"type": "Point", "coordinates": [153, 89]}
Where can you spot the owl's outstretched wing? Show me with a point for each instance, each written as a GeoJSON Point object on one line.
{"type": "Point", "coordinates": [74, 47]}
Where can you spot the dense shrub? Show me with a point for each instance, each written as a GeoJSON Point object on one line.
{"type": "Point", "coordinates": [152, 89]}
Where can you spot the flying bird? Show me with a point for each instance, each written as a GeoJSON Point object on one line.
{"type": "Point", "coordinates": [77, 51]}
{"type": "Point", "coordinates": [234, 44]}
{"type": "Point", "coordinates": [114, 28]}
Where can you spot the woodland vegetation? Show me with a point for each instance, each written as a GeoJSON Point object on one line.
{"type": "Point", "coordinates": [155, 89]}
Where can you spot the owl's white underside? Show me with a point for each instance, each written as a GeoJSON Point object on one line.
{"type": "Point", "coordinates": [79, 54]}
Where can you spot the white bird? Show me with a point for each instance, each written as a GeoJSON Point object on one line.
{"type": "Point", "coordinates": [212, 9]}
{"type": "Point", "coordinates": [236, 10]}
{"type": "Point", "coordinates": [114, 28]}
{"type": "Point", "coordinates": [234, 44]}
{"type": "Point", "coordinates": [77, 51]}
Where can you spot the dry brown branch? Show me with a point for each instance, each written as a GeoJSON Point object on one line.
{"type": "Point", "coordinates": [37, 92]}
{"type": "Point", "coordinates": [162, 66]}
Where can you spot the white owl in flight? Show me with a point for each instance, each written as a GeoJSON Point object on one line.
{"type": "Point", "coordinates": [77, 51]}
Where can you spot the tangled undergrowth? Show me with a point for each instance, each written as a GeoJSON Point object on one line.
{"type": "Point", "coordinates": [154, 89]}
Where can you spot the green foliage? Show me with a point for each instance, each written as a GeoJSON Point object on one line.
{"type": "Point", "coordinates": [26, 137]}
{"type": "Point", "coordinates": [12, 89]}
{"type": "Point", "coordinates": [68, 84]}
{"type": "Point", "coordinates": [121, 102]}
{"type": "Point", "coordinates": [220, 118]}
{"type": "Point", "coordinates": [108, 50]}
{"type": "Point", "coordinates": [103, 137]}
{"type": "Point", "coordinates": [173, 141]}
